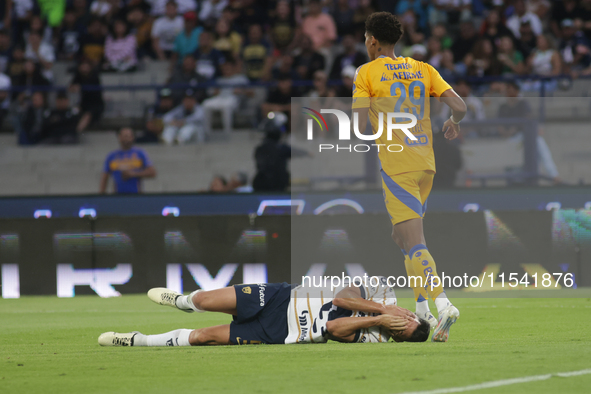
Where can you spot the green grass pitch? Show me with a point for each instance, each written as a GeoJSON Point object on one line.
{"type": "Point", "coordinates": [49, 345]}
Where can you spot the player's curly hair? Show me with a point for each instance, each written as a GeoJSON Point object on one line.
{"type": "Point", "coordinates": [421, 334]}
{"type": "Point", "coordinates": [385, 27]}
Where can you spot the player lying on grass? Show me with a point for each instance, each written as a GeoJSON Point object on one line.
{"type": "Point", "coordinates": [279, 313]}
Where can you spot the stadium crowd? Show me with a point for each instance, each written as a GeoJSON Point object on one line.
{"type": "Point", "coordinates": [218, 50]}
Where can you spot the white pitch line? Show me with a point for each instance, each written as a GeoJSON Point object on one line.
{"type": "Point", "coordinates": [504, 382]}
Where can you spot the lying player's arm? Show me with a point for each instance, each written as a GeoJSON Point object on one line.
{"type": "Point", "coordinates": [343, 329]}
{"type": "Point", "coordinates": [350, 298]}
{"type": "Point", "coordinates": [451, 127]}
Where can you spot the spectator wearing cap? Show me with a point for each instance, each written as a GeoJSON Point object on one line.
{"type": "Point", "coordinates": [350, 56]}
{"type": "Point", "coordinates": [208, 58]}
{"type": "Point", "coordinates": [255, 54]}
{"type": "Point", "coordinates": [154, 123]}
{"type": "Point", "coordinates": [319, 26]}
{"type": "Point", "coordinates": [87, 82]}
{"type": "Point", "coordinates": [226, 98]}
{"type": "Point", "coordinates": [61, 122]}
{"type": "Point", "coordinates": [127, 165]}
{"type": "Point", "coordinates": [185, 122]}
{"type": "Point", "coordinates": [187, 41]}
{"type": "Point", "coordinates": [184, 75]}
{"type": "Point", "coordinates": [418, 52]}
{"type": "Point", "coordinates": [165, 30]}
{"type": "Point", "coordinates": [120, 49]}
{"type": "Point", "coordinates": [574, 48]}
{"type": "Point", "coordinates": [520, 16]}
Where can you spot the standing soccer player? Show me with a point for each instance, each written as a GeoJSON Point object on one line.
{"type": "Point", "coordinates": [389, 83]}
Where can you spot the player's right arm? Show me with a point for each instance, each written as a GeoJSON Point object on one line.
{"type": "Point", "coordinates": [441, 89]}
{"type": "Point", "coordinates": [361, 98]}
{"type": "Point", "coordinates": [343, 329]}
{"type": "Point", "coordinates": [350, 298]}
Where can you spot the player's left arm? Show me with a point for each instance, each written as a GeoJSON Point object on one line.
{"type": "Point", "coordinates": [350, 298]}
{"type": "Point", "coordinates": [343, 329]}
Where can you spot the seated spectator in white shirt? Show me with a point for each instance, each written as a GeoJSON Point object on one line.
{"type": "Point", "coordinates": [184, 122]}
{"type": "Point", "coordinates": [226, 99]}
{"type": "Point", "coordinates": [520, 16]}
{"type": "Point", "coordinates": [120, 49]}
{"type": "Point", "coordinates": [165, 30]}
{"type": "Point", "coordinates": [42, 53]}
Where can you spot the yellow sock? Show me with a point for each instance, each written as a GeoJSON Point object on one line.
{"type": "Point", "coordinates": [420, 293]}
{"type": "Point", "coordinates": [424, 266]}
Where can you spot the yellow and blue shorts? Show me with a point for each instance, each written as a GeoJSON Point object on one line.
{"type": "Point", "coordinates": [406, 194]}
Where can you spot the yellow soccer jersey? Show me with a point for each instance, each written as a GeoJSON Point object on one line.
{"type": "Point", "coordinates": [400, 85]}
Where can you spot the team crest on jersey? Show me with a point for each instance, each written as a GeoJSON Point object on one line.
{"type": "Point", "coordinates": [246, 290]}
{"type": "Point", "coordinates": [385, 78]}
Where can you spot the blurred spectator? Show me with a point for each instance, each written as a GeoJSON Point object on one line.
{"type": "Point", "coordinates": [184, 122]}
{"type": "Point", "coordinates": [520, 16]}
{"type": "Point", "coordinates": [255, 54]}
{"type": "Point", "coordinates": [308, 61]}
{"type": "Point", "coordinates": [183, 75]}
{"type": "Point", "coordinates": [120, 49]}
{"type": "Point", "coordinates": [527, 41]}
{"type": "Point", "coordinates": [574, 48]}
{"type": "Point", "coordinates": [31, 76]}
{"type": "Point", "coordinates": [101, 8]}
{"type": "Point", "coordinates": [91, 97]}
{"type": "Point", "coordinates": [450, 11]}
{"type": "Point", "coordinates": [128, 166]}
{"type": "Point", "coordinates": [38, 25]}
{"type": "Point", "coordinates": [320, 86]}
{"type": "Point", "coordinates": [226, 39]}
{"type": "Point", "coordinates": [159, 6]}
{"type": "Point", "coordinates": [42, 53]}
{"type": "Point", "coordinates": [319, 26]}
{"type": "Point", "coordinates": [418, 52]}
{"type": "Point", "coordinates": [283, 26]}
{"type": "Point", "coordinates": [16, 65]}
{"type": "Point", "coordinates": [544, 59]}
{"type": "Point", "coordinates": [23, 10]}
{"type": "Point", "coordinates": [283, 65]}
{"type": "Point", "coordinates": [92, 45]}
{"type": "Point", "coordinates": [154, 117]}
{"type": "Point", "coordinates": [562, 10]}
{"type": "Point", "coordinates": [32, 120]}
{"type": "Point", "coordinates": [5, 50]}
{"type": "Point", "coordinates": [510, 58]}
{"type": "Point", "coordinates": [279, 97]}
{"type": "Point", "coordinates": [5, 14]}
{"type": "Point", "coordinates": [188, 40]}
{"type": "Point", "coordinates": [5, 85]}
{"type": "Point", "coordinates": [165, 30]}
{"type": "Point", "coordinates": [539, 7]}
{"type": "Point", "coordinates": [226, 99]}
{"type": "Point", "coordinates": [60, 123]}
{"type": "Point", "coordinates": [343, 17]}
{"type": "Point", "coordinates": [516, 107]}
{"type": "Point", "coordinates": [350, 57]}
{"type": "Point", "coordinates": [207, 57]}
{"type": "Point", "coordinates": [141, 26]}
{"type": "Point", "coordinates": [584, 17]}
{"type": "Point", "coordinates": [418, 10]}
{"type": "Point", "coordinates": [363, 10]}
{"type": "Point", "coordinates": [440, 33]}
{"type": "Point", "coordinates": [465, 42]}
{"type": "Point", "coordinates": [448, 159]}
{"type": "Point", "coordinates": [211, 10]}
{"type": "Point", "coordinates": [346, 88]}
{"type": "Point", "coordinates": [69, 37]}
{"type": "Point", "coordinates": [250, 12]}
{"type": "Point", "coordinates": [83, 17]}
{"type": "Point", "coordinates": [239, 183]}
{"type": "Point", "coordinates": [482, 61]}
{"type": "Point", "coordinates": [493, 27]}
{"type": "Point", "coordinates": [218, 184]}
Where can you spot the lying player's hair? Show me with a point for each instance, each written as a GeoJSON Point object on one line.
{"type": "Point", "coordinates": [421, 334]}
{"type": "Point", "coordinates": [385, 27]}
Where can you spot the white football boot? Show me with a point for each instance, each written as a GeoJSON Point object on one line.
{"type": "Point", "coordinates": [447, 317]}
{"type": "Point", "coordinates": [429, 317]}
{"type": "Point", "coordinates": [164, 296]}
{"type": "Point", "coordinates": [116, 339]}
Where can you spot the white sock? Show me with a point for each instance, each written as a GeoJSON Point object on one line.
{"type": "Point", "coordinates": [441, 302]}
{"type": "Point", "coordinates": [178, 337]}
{"type": "Point", "coordinates": [186, 302]}
{"type": "Point", "coordinates": [422, 307]}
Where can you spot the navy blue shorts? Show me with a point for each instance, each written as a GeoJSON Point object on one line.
{"type": "Point", "coordinates": [262, 313]}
